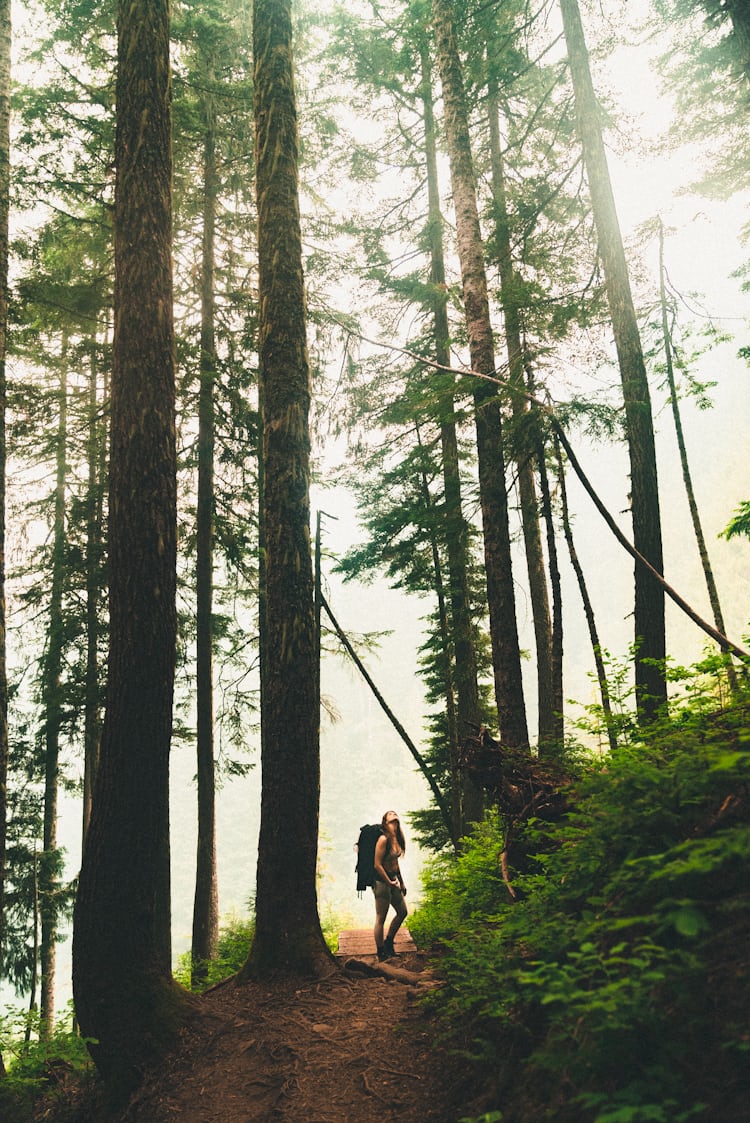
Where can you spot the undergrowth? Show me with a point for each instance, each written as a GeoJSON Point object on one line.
{"type": "Point", "coordinates": [53, 1077]}
{"type": "Point", "coordinates": [235, 939]}
{"type": "Point", "coordinates": [614, 989]}
{"type": "Point", "coordinates": [54, 1068]}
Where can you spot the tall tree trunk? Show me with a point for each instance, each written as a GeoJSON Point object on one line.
{"type": "Point", "coordinates": [524, 457]}
{"type": "Point", "coordinates": [556, 639]}
{"type": "Point", "coordinates": [467, 800]}
{"type": "Point", "coordinates": [52, 710]}
{"type": "Point", "coordinates": [287, 926]}
{"type": "Point", "coordinates": [687, 479]}
{"type": "Point", "coordinates": [34, 980]}
{"type": "Point", "coordinates": [506, 657]}
{"type": "Point", "coordinates": [125, 997]}
{"type": "Point", "coordinates": [448, 657]}
{"type": "Point", "coordinates": [601, 672]}
{"type": "Point", "coordinates": [651, 687]}
{"type": "Point", "coordinates": [96, 458]}
{"type": "Point", "coordinates": [5, 41]}
{"type": "Point", "coordinates": [206, 902]}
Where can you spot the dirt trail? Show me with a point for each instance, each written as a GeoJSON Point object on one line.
{"type": "Point", "coordinates": [349, 1049]}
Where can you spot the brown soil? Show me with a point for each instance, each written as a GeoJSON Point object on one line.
{"type": "Point", "coordinates": [356, 1047]}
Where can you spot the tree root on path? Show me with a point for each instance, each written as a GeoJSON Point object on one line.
{"type": "Point", "coordinates": [387, 971]}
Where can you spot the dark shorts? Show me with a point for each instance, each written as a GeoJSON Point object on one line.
{"type": "Point", "coordinates": [390, 893]}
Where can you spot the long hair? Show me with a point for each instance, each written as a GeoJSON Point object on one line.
{"type": "Point", "coordinates": [399, 831]}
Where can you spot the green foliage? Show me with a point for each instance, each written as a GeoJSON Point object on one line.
{"type": "Point", "coordinates": [612, 989]}
{"type": "Point", "coordinates": [235, 940]}
{"type": "Point", "coordinates": [739, 524]}
{"type": "Point", "coordinates": [704, 68]}
{"type": "Point", "coordinates": [39, 1067]}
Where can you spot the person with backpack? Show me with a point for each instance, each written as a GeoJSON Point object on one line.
{"type": "Point", "coordinates": [388, 885]}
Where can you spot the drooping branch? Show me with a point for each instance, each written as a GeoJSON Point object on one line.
{"type": "Point", "coordinates": [722, 640]}
{"type": "Point", "coordinates": [424, 768]}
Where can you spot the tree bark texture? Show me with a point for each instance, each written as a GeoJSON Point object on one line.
{"type": "Point", "coordinates": [205, 936]}
{"type": "Point", "coordinates": [96, 463]}
{"type": "Point", "coordinates": [124, 993]}
{"type": "Point", "coordinates": [524, 453]}
{"type": "Point", "coordinates": [5, 89]}
{"type": "Point", "coordinates": [466, 796]}
{"type": "Point", "coordinates": [650, 679]}
{"type": "Point", "coordinates": [52, 716]}
{"type": "Point", "coordinates": [489, 435]}
{"type": "Point", "coordinates": [557, 701]}
{"type": "Point", "coordinates": [288, 936]}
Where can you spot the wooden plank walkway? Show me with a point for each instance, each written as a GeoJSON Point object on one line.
{"type": "Point", "coordinates": [360, 941]}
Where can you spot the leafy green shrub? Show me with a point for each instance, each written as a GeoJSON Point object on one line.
{"type": "Point", "coordinates": [235, 939]}
{"type": "Point", "coordinates": [56, 1069]}
{"type": "Point", "coordinates": [614, 988]}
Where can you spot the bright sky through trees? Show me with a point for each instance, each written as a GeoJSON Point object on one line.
{"type": "Point", "coordinates": [703, 249]}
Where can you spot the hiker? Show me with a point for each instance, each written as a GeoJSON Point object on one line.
{"type": "Point", "coordinates": [389, 888]}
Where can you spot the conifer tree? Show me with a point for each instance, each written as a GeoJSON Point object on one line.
{"type": "Point", "coordinates": [548, 721]}
{"type": "Point", "coordinates": [649, 614]}
{"type": "Point", "coordinates": [287, 930]}
{"type": "Point", "coordinates": [58, 307]}
{"type": "Point", "coordinates": [125, 998]}
{"type": "Point", "coordinates": [489, 434]}
{"type": "Point", "coordinates": [413, 421]}
{"type": "Point", "coordinates": [5, 89]}
{"type": "Point", "coordinates": [212, 142]}
{"type": "Point", "coordinates": [467, 800]}
{"type": "Point", "coordinates": [52, 708]}
{"type": "Point", "coordinates": [687, 475]}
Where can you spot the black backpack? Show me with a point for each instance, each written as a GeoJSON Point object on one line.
{"type": "Point", "coordinates": [365, 867]}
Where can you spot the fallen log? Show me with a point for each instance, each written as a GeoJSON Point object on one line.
{"type": "Point", "coordinates": [386, 970]}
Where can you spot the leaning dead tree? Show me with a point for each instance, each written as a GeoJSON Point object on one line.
{"type": "Point", "coordinates": [521, 787]}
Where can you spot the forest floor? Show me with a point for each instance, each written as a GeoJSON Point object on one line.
{"type": "Point", "coordinates": [356, 1047]}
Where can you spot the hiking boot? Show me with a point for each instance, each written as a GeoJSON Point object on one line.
{"type": "Point", "coordinates": [383, 953]}
{"type": "Point", "coordinates": [389, 952]}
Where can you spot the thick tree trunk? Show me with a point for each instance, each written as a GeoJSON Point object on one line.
{"type": "Point", "coordinates": [5, 42]}
{"type": "Point", "coordinates": [287, 930]}
{"type": "Point", "coordinates": [467, 797]}
{"type": "Point", "coordinates": [524, 454]}
{"type": "Point", "coordinates": [206, 902]}
{"type": "Point", "coordinates": [506, 656]}
{"type": "Point", "coordinates": [125, 997]}
{"type": "Point", "coordinates": [650, 678]}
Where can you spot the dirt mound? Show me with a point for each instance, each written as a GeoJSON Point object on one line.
{"type": "Point", "coordinates": [353, 1048]}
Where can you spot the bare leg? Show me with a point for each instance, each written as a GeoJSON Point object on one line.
{"type": "Point", "coordinates": [399, 904]}
{"type": "Point", "coordinates": [382, 905]}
